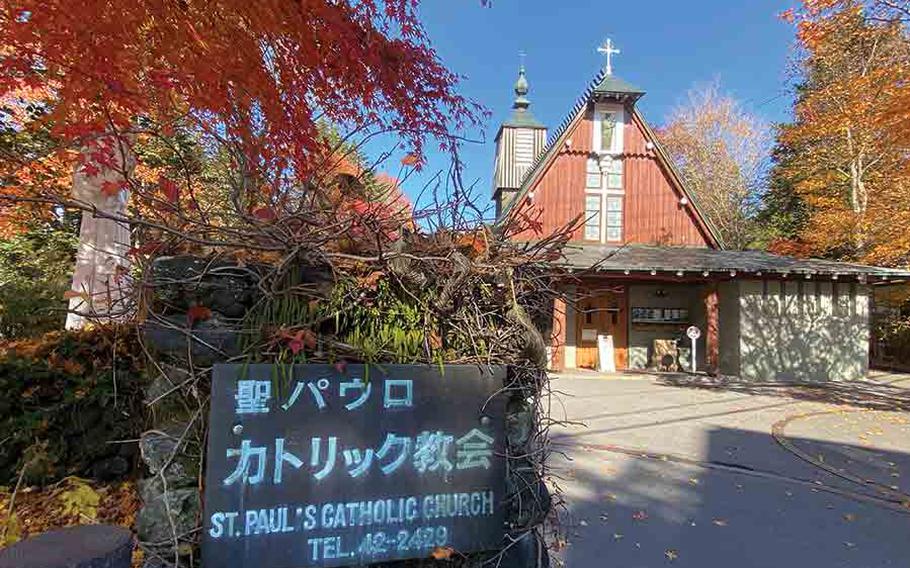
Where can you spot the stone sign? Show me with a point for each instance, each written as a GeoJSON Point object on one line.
{"type": "Point", "coordinates": [318, 465]}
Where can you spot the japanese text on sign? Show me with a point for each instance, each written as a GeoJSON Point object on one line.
{"type": "Point", "coordinates": [370, 470]}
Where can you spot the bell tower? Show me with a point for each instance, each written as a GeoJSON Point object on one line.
{"type": "Point", "coordinates": [519, 141]}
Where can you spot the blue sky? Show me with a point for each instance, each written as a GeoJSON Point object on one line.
{"type": "Point", "coordinates": [667, 47]}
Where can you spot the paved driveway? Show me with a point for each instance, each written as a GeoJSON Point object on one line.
{"type": "Point", "coordinates": [658, 475]}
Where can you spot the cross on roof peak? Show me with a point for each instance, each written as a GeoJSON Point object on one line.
{"type": "Point", "coordinates": [609, 50]}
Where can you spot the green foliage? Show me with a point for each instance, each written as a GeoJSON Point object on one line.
{"type": "Point", "coordinates": [67, 396]}
{"type": "Point", "coordinates": [894, 333]}
{"type": "Point", "coordinates": [379, 322]}
{"type": "Point", "coordinates": [35, 271]}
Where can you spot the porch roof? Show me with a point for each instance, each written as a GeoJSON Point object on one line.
{"type": "Point", "coordinates": [647, 258]}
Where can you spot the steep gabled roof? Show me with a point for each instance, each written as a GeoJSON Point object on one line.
{"type": "Point", "coordinates": [604, 84]}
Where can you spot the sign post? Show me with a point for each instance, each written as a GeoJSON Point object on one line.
{"type": "Point", "coordinates": [310, 466]}
{"type": "Point", "coordinates": [694, 333]}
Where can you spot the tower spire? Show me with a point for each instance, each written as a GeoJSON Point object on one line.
{"type": "Point", "coordinates": [521, 113]}
{"type": "Point", "coordinates": [521, 86]}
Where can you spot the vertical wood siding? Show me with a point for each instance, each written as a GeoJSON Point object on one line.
{"type": "Point", "coordinates": [559, 193]}
{"type": "Point", "coordinates": [652, 213]}
{"type": "Point", "coordinates": [516, 149]}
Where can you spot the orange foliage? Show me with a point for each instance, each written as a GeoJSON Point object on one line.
{"type": "Point", "coordinates": [850, 138]}
{"type": "Point", "coordinates": [253, 87]}
{"type": "Point", "coordinates": [30, 173]}
{"type": "Point", "coordinates": [258, 71]}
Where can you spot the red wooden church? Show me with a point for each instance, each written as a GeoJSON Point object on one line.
{"type": "Point", "coordinates": [645, 264]}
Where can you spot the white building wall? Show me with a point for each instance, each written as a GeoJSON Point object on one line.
{"type": "Point", "coordinates": [799, 330]}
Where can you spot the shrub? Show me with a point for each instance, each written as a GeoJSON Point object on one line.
{"type": "Point", "coordinates": [894, 333]}
{"type": "Point", "coordinates": [35, 270]}
{"type": "Point", "coordinates": [68, 398]}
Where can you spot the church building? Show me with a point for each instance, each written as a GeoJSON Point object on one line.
{"type": "Point", "coordinates": [644, 265]}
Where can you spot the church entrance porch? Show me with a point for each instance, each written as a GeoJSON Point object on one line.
{"type": "Point", "coordinates": [600, 315]}
{"type": "Point", "coordinates": [632, 325]}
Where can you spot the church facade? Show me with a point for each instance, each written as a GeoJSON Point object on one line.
{"type": "Point", "coordinates": [644, 265]}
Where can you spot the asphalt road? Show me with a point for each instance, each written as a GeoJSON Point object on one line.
{"type": "Point", "coordinates": [657, 475]}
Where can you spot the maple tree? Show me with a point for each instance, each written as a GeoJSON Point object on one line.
{"type": "Point", "coordinates": [29, 162]}
{"type": "Point", "coordinates": [226, 105]}
{"type": "Point", "coordinates": [843, 161]}
{"type": "Point", "coordinates": [721, 152]}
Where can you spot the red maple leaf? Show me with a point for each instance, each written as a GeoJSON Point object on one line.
{"type": "Point", "coordinates": [112, 188]}
{"type": "Point", "coordinates": [265, 214]}
{"type": "Point", "coordinates": [169, 189]}
{"type": "Point", "coordinates": [296, 342]}
{"type": "Point", "coordinates": [197, 313]}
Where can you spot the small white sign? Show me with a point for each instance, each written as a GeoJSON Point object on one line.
{"type": "Point", "coordinates": [605, 360]}
{"type": "Point", "coordinates": [694, 333]}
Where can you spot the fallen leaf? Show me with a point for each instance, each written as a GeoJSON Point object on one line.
{"type": "Point", "coordinates": [671, 554]}
{"type": "Point", "coordinates": [197, 313]}
{"type": "Point", "coordinates": [849, 517]}
{"type": "Point", "coordinates": [442, 552]}
{"type": "Point", "coordinates": [640, 515]}
{"type": "Point", "coordinates": [720, 522]}
{"type": "Point", "coordinates": [80, 500]}
{"type": "Point", "coordinates": [72, 367]}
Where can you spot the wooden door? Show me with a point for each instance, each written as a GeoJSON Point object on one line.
{"type": "Point", "coordinates": [594, 318]}
{"type": "Point", "coordinates": [602, 314]}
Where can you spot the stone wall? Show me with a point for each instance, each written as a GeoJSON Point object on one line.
{"type": "Point", "coordinates": [173, 448]}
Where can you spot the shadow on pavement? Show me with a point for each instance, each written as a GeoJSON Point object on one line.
{"type": "Point", "coordinates": [865, 394]}
{"type": "Point", "coordinates": [631, 512]}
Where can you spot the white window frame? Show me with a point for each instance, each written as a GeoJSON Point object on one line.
{"type": "Point", "coordinates": [600, 217]}
{"type": "Point", "coordinates": [607, 164]}
{"type": "Point", "coordinates": [592, 168]}
{"type": "Point", "coordinates": [607, 198]}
